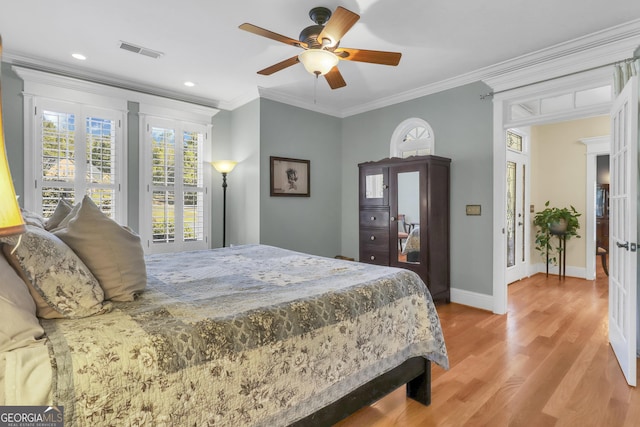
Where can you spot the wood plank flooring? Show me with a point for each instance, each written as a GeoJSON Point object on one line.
{"type": "Point", "coordinates": [546, 363]}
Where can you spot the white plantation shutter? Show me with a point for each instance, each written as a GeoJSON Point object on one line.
{"type": "Point", "coordinates": [174, 206]}
{"type": "Point", "coordinates": [77, 150]}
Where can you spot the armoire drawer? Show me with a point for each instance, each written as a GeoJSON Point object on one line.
{"type": "Point", "coordinates": [374, 255]}
{"type": "Point", "coordinates": [374, 218]}
{"type": "Point", "coordinates": [378, 237]}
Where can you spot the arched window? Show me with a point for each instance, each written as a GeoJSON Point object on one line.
{"type": "Point", "coordinates": [412, 137]}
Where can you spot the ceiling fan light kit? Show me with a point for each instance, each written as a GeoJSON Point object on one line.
{"type": "Point", "coordinates": [321, 43]}
{"type": "Point", "coordinates": [318, 61]}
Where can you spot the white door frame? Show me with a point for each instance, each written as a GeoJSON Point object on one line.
{"type": "Point", "coordinates": [502, 120]}
{"type": "Point", "coordinates": [596, 146]}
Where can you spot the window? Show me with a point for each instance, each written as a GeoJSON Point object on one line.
{"type": "Point", "coordinates": [76, 150]}
{"type": "Point", "coordinates": [75, 144]}
{"type": "Point", "coordinates": [412, 137]}
{"type": "Point", "coordinates": [174, 205]}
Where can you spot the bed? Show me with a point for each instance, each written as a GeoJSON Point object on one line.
{"type": "Point", "coordinates": [249, 335]}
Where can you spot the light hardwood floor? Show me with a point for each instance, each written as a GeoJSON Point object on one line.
{"type": "Point", "coordinates": [546, 363]}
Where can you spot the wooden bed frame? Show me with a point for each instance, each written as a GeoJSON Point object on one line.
{"type": "Point", "coordinates": [415, 373]}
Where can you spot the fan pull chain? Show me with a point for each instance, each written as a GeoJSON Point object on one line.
{"type": "Point", "coordinates": [315, 89]}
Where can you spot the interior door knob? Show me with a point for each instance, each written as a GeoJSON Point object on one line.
{"type": "Point", "coordinates": [623, 245]}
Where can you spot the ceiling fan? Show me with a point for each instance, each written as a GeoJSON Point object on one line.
{"type": "Point", "coordinates": [321, 46]}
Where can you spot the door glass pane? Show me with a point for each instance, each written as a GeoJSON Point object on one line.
{"type": "Point", "coordinates": [521, 216]}
{"type": "Point", "coordinates": [163, 217]}
{"type": "Point", "coordinates": [101, 163]}
{"type": "Point", "coordinates": [164, 156]}
{"type": "Point", "coordinates": [58, 149]}
{"type": "Point", "coordinates": [511, 214]}
{"type": "Point", "coordinates": [514, 141]}
{"type": "Point", "coordinates": [193, 179]}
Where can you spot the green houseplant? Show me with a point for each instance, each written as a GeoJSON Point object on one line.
{"type": "Point", "coordinates": [552, 222]}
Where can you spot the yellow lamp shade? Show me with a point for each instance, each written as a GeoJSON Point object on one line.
{"type": "Point", "coordinates": [224, 166]}
{"type": "Point", "coordinates": [11, 221]}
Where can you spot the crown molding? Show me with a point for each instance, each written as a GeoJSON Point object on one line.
{"type": "Point", "coordinates": [585, 53]}
{"type": "Point", "coordinates": [240, 100]}
{"type": "Point", "coordinates": [63, 70]}
{"type": "Point", "coordinates": [47, 84]}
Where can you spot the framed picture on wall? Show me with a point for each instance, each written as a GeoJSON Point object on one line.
{"type": "Point", "coordinates": [290, 177]}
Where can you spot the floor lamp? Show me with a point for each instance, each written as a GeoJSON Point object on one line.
{"type": "Point", "coordinates": [11, 221]}
{"type": "Point", "coordinates": [224, 167]}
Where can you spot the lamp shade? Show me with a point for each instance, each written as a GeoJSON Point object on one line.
{"type": "Point", "coordinates": [11, 221]}
{"type": "Point", "coordinates": [224, 166]}
{"type": "Point", "coordinates": [318, 61]}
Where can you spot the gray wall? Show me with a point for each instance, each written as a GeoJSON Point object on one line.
{"type": "Point", "coordinates": [462, 126]}
{"type": "Point", "coordinates": [244, 190]}
{"type": "Point", "coordinates": [12, 120]}
{"type": "Point", "coordinates": [306, 224]}
{"type": "Point", "coordinates": [220, 133]}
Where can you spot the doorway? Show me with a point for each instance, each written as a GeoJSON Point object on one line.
{"type": "Point", "coordinates": [537, 104]}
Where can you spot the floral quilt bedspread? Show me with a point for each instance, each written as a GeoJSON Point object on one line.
{"type": "Point", "coordinates": [250, 335]}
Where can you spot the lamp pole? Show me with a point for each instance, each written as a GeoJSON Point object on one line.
{"type": "Point", "coordinates": [224, 167]}
{"type": "Point", "coordinates": [224, 208]}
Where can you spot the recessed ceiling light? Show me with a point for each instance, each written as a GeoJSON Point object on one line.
{"type": "Point", "coordinates": [79, 56]}
{"type": "Point", "coordinates": [189, 84]}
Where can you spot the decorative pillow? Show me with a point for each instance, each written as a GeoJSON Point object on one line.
{"type": "Point", "coordinates": [20, 326]}
{"type": "Point", "coordinates": [59, 214]}
{"type": "Point", "coordinates": [56, 274]}
{"type": "Point", "coordinates": [112, 252]}
{"type": "Point", "coordinates": [32, 218]}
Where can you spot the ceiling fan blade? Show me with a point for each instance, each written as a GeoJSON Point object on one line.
{"type": "Point", "coordinates": [271, 35]}
{"type": "Point", "coordinates": [279, 66]}
{"type": "Point", "coordinates": [334, 78]}
{"type": "Point", "coordinates": [340, 22]}
{"type": "Point", "coordinates": [372, 56]}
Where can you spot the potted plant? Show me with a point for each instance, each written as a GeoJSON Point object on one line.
{"type": "Point", "coordinates": [550, 222]}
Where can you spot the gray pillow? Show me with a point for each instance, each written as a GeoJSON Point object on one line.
{"type": "Point", "coordinates": [112, 252]}
{"type": "Point", "coordinates": [56, 274]}
{"type": "Point", "coordinates": [59, 214]}
{"type": "Point", "coordinates": [33, 218]}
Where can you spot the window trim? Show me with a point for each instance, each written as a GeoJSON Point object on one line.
{"type": "Point", "coordinates": [41, 89]}
{"type": "Point", "coordinates": [397, 139]}
{"type": "Point", "coordinates": [151, 115]}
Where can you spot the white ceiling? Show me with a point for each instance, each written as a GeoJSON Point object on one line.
{"type": "Point", "coordinates": [201, 42]}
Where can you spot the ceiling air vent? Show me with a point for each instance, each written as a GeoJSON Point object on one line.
{"type": "Point", "coordinates": [141, 50]}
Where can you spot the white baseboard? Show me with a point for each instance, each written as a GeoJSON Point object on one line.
{"type": "Point", "coordinates": [472, 299]}
{"type": "Point", "coordinates": [485, 302]}
{"type": "Point", "coordinates": [580, 272]}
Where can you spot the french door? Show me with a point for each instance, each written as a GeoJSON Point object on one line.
{"type": "Point", "coordinates": [623, 228]}
{"type": "Point", "coordinates": [516, 215]}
